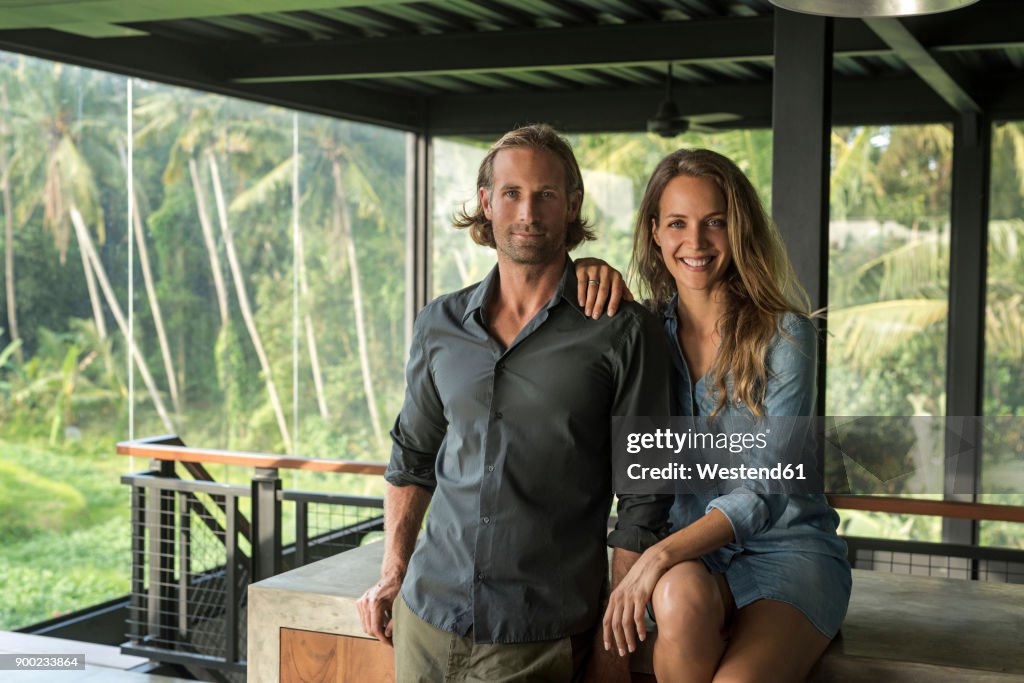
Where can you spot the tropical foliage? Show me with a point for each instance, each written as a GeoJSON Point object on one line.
{"type": "Point", "coordinates": [261, 272]}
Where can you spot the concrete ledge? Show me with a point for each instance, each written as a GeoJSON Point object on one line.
{"type": "Point", "coordinates": [318, 597]}
{"type": "Point", "coordinates": [899, 628]}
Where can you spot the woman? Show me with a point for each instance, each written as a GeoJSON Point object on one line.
{"type": "Point", "coordinates": [748, 586]}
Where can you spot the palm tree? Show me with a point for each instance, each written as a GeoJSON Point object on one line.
{"type": "Point", "coordinates": [307, 320]}
{"type": "Point", "coordinates": [257, 195]}
{"type": "Point", "coordinates": [71, 196]}
{"type": "Point", "coordinates": [204, 135]}
{"type": "Point", "coordinates": [349, 181]}
{"type": "Point", "coordinates": [90, 255]}
{"type": "Point", "coordinates": [69, 183]}
{"type": "Point", "coordinates": [8, 208]}
{"type": "Point", "coordinates": [342, 221]}
{"type": "Point", "coordinates": [243, 298]}
{"type": "Point", "coordinates": [881, 300]}
{"type": "Point", "coordinates": [209, 239]}
{"type": "Point", "coordinates": [154, 304]}
{"type": "Point", "coordinates": [194, 122]}
{"type": "Point", "coordinates": [37, 146]}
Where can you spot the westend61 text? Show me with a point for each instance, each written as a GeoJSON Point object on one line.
{"type": "Point", "coordinates": [705, 471]}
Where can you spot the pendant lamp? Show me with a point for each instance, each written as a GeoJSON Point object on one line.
{"type": "Point", "coordinates": [858, 9]}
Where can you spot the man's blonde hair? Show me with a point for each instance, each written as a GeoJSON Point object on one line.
{"type": "Point", "coordinates": [538, 136]}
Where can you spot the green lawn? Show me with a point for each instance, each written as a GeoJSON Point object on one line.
{"type": "Point", "coordinates": [64, 523]}
{"type": "Point", "coordinates": [64, 533]}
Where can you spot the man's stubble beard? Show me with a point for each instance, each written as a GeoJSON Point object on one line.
{"type": "Point", "coordinates": [548, 250]}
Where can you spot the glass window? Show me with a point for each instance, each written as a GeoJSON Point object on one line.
{"type": "Point", "coordinates": [888, 294]}
{"type": "Point", "coordinates": [1002, 477]}
{"type": "Point", "coordinates": [63, 375]}
{"type": "Point", "coordinates": [263, 274]}
{"type": "Point", "coordinates": [615, 168]}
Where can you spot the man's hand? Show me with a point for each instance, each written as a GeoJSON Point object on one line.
{"type": "Point", "coordinates": [404, 507]}
{"type": "Point", "coordinates": [376, 605]}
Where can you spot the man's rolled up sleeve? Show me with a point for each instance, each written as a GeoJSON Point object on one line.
{"type": "Point", "coordinates": [420, 428]}
{"type": "Point", "coordinates": [642, 521]}
{"type": "Point", "coordinates": [643, 363]}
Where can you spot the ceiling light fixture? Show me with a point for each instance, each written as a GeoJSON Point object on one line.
{"type": "Point", "coordinates": [857, 9]}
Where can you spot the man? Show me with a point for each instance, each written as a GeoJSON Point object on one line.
{"type": "Point", "coordinates": [506, 430]}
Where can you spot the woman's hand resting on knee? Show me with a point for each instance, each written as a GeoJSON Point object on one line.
{"type": "Point", "coordinates": [624, 619]}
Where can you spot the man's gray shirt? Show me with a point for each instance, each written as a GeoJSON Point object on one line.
{"type": "Point", "coordinates": [516, 446]}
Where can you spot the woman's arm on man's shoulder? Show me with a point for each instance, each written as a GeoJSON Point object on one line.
{"type": "Point", "coordinates": [599, 287]}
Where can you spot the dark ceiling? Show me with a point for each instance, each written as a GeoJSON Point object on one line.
{"type": "Point", "coordinates": [482, 66]}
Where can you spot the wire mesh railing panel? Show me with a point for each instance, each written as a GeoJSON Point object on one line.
{"type": "Point", "coordinates": [1001, 572]}
{"type": "Point", "coordinates": [214, 580]}
{"type": "Point", "coordinates": [193, 550]}
{"type": "Point", "coordinates": [190, 571]}
{"type": "Point", "coordinates": [945, 560]}
{"type": "Point", "coordinates": [327, 524]}
{"type": "Point", "coordinates": [334, 529]}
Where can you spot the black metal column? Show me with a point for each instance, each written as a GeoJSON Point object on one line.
{"type": "Point", "coordinates": [301, 532]}
{"type": "Point", "coordinates": [231, 588]}
{"type": "Point", "coordinates": [801, 127]}
{"type": "Point", "coordinates": [266, 523]}
{"type": "Point", "coordinates": [965, 350]}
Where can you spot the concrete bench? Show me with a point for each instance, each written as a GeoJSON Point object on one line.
{"type": "Point", "coordinates": [899, 628]}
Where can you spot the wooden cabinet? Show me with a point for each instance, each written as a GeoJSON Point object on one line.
{"type": "Point", "coordinates": [312, 657]}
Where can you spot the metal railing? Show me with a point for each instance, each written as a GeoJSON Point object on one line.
{"type": "Point", "coordinates": [921, 558]}
{"type": "Point", "coordinates": [197, 544]}
{"type": "Point", "coordinates": [946, 560]}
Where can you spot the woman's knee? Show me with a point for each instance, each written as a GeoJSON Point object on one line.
{"type": "Point", "coordinates": [687, 600]}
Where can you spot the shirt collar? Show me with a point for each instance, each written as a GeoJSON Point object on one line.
{"type": "Point", "coordinates": [480, 294]}
{"type": "Point", "coordinates": [566, 291]}
{"type": "Point", "coordinates": [670, 308]}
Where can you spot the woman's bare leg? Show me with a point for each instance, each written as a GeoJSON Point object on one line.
{"type": "Point", "coordinates": [771, 642]}
{"type": "Point", "coordinates": [691, 607]}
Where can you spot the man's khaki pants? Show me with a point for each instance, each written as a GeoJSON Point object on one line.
{"type": "Point", "coordinates": [426, 654]}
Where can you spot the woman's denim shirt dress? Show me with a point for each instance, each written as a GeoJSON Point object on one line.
{"type": "Point", "coordinates": [761, 522]}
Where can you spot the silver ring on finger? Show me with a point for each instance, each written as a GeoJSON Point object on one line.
{"type": "Point", "coordinates": [593, 282]}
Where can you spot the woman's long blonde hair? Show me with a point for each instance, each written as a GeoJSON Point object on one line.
{"type": "Point", "coordinates": [759, 285]}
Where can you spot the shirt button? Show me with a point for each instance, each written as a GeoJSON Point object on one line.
{"type": "Point", "coordinates": [487, 520]}
{"type": "Point", "coordinates": [498, 415]}
{"type": "Point", "coordinates": [479, 576]}
{"type": "Point", "coordinates": [501, 366]}
{"type": "Point", "coordinates": [490, 468]}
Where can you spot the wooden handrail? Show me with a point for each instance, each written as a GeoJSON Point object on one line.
{"type": "Point", "coordinates": [157, 448]}
{"type": "Point", "coordinates": [938, 508]}
{"type": "Point", "coordinates": [145, 448]}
